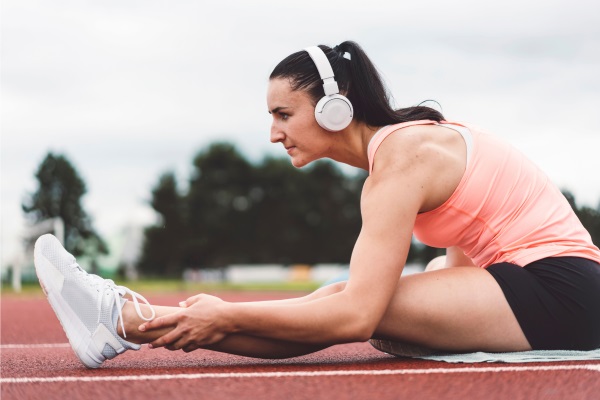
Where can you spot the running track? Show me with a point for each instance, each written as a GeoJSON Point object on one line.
{"type": "Point", "coordinates": [36, 362]}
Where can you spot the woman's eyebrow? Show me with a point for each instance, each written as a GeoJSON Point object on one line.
{"type": "Point", "coordinates": [277, 109]}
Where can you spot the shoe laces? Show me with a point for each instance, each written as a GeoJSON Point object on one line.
{"type": "Point", "coordinates": [105, 286]}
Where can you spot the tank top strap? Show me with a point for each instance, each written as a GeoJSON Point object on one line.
{"type": "Point", "coordinates": [384, 132]}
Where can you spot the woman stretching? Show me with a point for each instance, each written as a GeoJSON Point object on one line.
{"type": "Point", "coordinates": [520, 271]}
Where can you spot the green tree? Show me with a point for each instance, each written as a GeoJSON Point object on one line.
{"type": "Point", "coordinates": [281, 213]}
{"type": "Point", "coordinates": [239, 212]}
{"type": "Point", "coordinates": [219, 204]}
{"type": "Point", "coordinates": [162, 248]}
{"type": "Point", "coordinates": [308, 216]}
{"type": "Point", "coordinates": [333, 215]}
{"type": "Point", "coordinates": [59, 193]}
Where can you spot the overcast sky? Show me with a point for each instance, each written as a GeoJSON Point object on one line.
{"type": "Point", "coordinates": [130, 89]}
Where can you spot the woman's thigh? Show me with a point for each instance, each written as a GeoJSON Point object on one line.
{"type": "Point", "coordinates": [454, 309]}
{"type": "Point", "coordinates": [556, 301]}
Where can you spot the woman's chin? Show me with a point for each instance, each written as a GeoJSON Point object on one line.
{"type": "Point", "coordinates": [300, 162]}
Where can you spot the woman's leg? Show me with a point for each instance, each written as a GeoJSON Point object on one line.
{"type": "Point", "coordinates": [234, 344]}
{"type": "Point", "coordinates": [435, 264]}
{"type": "Point", "coordinates": [453, 309]}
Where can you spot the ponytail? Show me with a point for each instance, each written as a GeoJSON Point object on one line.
{"type": "Point", "coordinates": [357, 78]}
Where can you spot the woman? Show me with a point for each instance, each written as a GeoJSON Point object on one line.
{"type": "Point", "coordinates": [520, 270]}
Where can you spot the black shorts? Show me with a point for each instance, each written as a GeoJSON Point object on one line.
{"type": "Point", "coordinates": [556, 301]}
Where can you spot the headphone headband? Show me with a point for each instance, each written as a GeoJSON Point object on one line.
{"type": "Point", "coordinates": [330, 86]}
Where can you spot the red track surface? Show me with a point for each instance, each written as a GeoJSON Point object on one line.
{"type": "Point", "coordinates": [31, 370]}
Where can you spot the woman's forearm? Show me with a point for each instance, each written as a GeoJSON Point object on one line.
{"type": "Point", "coordinates": [325, 320]}
{"type": "Point", "coordinates": [317, 294]}
{"type": "Point", "coordinates": [318, 321]}
{"type": "Point", "coordinates": [247, 346]}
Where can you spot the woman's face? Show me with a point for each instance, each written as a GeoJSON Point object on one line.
{"type": "Point", "coordinates": [294, 123]}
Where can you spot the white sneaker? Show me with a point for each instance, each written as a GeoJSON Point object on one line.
{"type": "Point", "coordinates": [86, 305]}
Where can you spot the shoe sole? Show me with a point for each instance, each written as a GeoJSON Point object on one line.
{"type": "Point", "coordinates": [400, 349]}
{"type": "Point", "coordinates": [79, 336]}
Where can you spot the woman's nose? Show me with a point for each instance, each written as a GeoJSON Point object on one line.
{"type": "Point", "coordinates": [276, 134]}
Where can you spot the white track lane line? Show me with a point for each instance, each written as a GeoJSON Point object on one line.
{"type": "Point", "coordinates": [293, 374]}
{"type": "Point", "coordinates": [34, 346]}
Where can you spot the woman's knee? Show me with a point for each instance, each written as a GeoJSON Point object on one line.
{"type": "Point", "coordinates": [437, 263]}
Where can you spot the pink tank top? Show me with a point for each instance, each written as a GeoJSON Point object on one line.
{"type": "Point", "coordinates": [504, 209]}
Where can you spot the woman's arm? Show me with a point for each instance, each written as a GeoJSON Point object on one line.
{"type": "Point", "coordinates": [390, 203]}
{"type": "Point", "coordinates": [349, 315]}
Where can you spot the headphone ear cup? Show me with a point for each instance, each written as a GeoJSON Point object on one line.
{"type": "Point", "coordinates": [334, 113]}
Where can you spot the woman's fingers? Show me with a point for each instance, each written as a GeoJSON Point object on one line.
{"type": "Point", "coordinates": [160, 322]}
{"type": "Point", "coordinates": [167, 340]}
{"type": "Point", "coordinates": [189, 328]}
{"type": "Point", "coordinates": [191, 300]}
{"type": "Point", "coordinates": [182, 343]}
{"type": "Point", "coordinates": [190, 347]}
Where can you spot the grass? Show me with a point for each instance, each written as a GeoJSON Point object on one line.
{"type": "Point", "coordinates": [145, 286]}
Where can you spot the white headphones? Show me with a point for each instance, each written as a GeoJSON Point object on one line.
{"type": "Point", "coordinates": [334, 111]}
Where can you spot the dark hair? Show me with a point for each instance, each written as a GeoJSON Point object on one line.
{"type": "Point", "coordinates": [357, 78]}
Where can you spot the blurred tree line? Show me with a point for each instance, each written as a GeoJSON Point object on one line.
{"type": "Point", "coordinates": [233, 211]}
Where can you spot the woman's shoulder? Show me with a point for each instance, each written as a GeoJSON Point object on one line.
{"type": "Point", "coordinates": [425, 159]}
{"type": "Point", "coordinates": [407, 147]}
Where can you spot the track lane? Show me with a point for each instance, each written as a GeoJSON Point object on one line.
{"type": "Point", "coordinates": [326, 374]}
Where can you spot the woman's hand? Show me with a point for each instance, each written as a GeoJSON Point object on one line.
{"type": "Point", "coordinates": [199, 323]}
